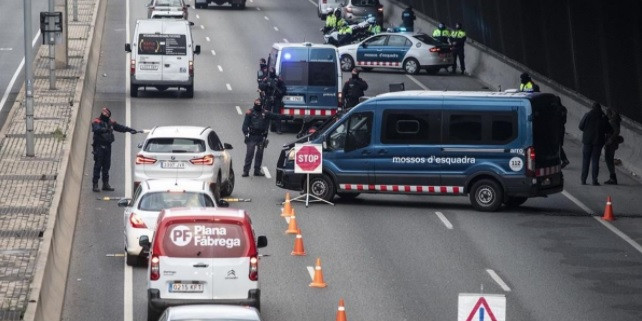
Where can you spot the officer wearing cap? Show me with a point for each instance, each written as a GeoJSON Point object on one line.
{"type": "Point", "coordinates": [103, 128]}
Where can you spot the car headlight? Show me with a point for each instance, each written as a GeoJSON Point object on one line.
{"type": "Point", "coordinates": [291, 154]}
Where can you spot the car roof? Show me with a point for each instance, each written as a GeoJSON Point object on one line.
{"type": "Point", "coordinates": [177, 131]}
{"type": "Point", "coordinates": [204, 211]}
{"type": "Point", "coordinates": [282, 45]}
{"type": "Point", "coordinates": [229, 311]}
{"type": "Point", "coordinates": [420, 94]}
{"type": "Point", "coordinates": [162, 26]}
{"type": "Point", "coordinates": [174, 185]}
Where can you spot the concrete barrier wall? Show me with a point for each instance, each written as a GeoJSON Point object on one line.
{"type": "Point", "coordinates": [499, 72]}
{"type": "Point", "coordinates": [46, 296]}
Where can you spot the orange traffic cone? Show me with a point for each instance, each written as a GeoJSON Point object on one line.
{"type": "Point", "coordinates": [292, 227]}
{"type": "Point", "coordinates": [318, 276]}
{"type": "Point", "coordinates": [608, 210]}
{"type": "Point", "coordinates": [286, 210]}
{"type": "Point", "coordinates": [298, 245]}
{"type": "Point", "coordinates": [341, 311]}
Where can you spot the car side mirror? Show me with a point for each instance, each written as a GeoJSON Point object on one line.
{"type": "Point", "coordinates": [197, 49]}
{"type": "Point", "coordinates": [261, 242]}
{"type": "Point", "coordinates": [364, 45]}
{"type": "Point", "coordinates": [191, 23]}
{"type": "Point", "coordinates": [227, 146]}
{"type": "Point", "coordinates": [222, 203]}
{"type": "Point", "coordinates": [140, 145]}
{"type": "Point", "coordinates": [128, 48]}
{"type": "Point", "coordinates": [123, 202]}
{"type": "Point", "coordinates": [144, 242]}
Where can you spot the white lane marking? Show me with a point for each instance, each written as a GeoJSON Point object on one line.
{"type": "Point", "coordinates": [313, 3]}
{"type": "Point", "coordinates": [257, 8]}
{"type": "Point", "coordinates": [213, 52]}
{"type": "Point", "coordinates": [6, 49]}
{"type": "Point", "coordinates": [220, 68]}
{"type": "Point", "coordinates": [499, 280]}
{"type": "Point", "coordinates": [198, 17]}
{"type": "Point", "coordinates": [266, 18]}
{"type": "Point", "coordinates": [417, 82]}
{"type": "Point", "coordinates": [444, 220]}
{"type": "Point", "coordinates": [606, 224]}
{"type": "Point", "coordinates": [276, 29]}
{"type": "Point", "coordinates": [251, 0]}
{"type": "Point", "coordinates": [285, 40]}
{"type": "Point", "coordinates": [202, 27]}
{"type": "Point", "coordinates": [128, 287]}
{"type": "Point", "coordinates": [15, 75]}
{"type": "Point", "coordinates": [266, 172]}
{"type": "Point", "coordinates": [229, 87]}
{"type": "Point", "coordinates": [311, 272]}
{"type": "Point", "coordinates": [207, 39]}
{"type": "Point", "coordinates": [238, 110]}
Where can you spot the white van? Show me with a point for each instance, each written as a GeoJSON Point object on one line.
{"type": "Point", "coordinates": [162, 56]}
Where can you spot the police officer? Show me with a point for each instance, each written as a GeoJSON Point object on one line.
{"type": "Point", "coordinates": [255, 126]}
{"type": "Point", "coordinates": [103, 128]}
{"type": "Point", "coordinates": [375, 25]}
{"type": "Point", "coordinates": [613, 140]}
{"type": "Point", "coordinates": [274, 89]}
{"type": "Point", "coordinates": [334, 21]}
{"type": "Point", "coordinates": [441, 33]}
{"type": "Point", "coordinates": [458, 39]}
{"type": "Point", "coordinates": [353, 89]}
{"type": "Point", "coordinates": [526, 84]}
{"type": "Point", "coordinates": [263, 70]}
{"type": "Point", "coordinates": [408, 18]}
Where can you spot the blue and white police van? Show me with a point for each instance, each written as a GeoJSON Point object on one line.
{"type": "Point", "coordinates": [497, 148]}
{"type": "Point", "coordinates": [312, 77]}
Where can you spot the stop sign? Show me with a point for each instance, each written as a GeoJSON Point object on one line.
{"type": "Point", "coordinates": [307, 158]}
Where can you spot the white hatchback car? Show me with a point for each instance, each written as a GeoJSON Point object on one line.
{"type": "Point", "coordinates": [151, 197]}
{"type": "Point", "coordinates": [188, 152]}
{"type": "Point", "coordinates": [210, 312]}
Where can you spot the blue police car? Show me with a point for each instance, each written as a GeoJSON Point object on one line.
{"type": "Point", "coordinates": [406, 50]}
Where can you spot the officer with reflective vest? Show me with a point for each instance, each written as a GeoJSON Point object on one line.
{"type": "Point", "coordinates": [527, 84]}
{"type": "Point", "coordinates": [103, 128]}
{"type": "Point", "coordinates": [441, 33]}
{"type": "Point", "coordinates": [458, 39]}
{"type": "Point", "coordinates": [375, 25]}
{"type": "Point", "coordinates": [334, 21]}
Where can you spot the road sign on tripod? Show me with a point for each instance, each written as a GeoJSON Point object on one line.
{"type": "Point", "coordinates": [308, 159]}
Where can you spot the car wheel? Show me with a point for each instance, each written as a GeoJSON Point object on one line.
{"type": "Point", "coordinates": [322, 187]}
{"type": "Point", "coordinates": [257, 304]}
{"type": "Point", "coordinates": [133, 260]}
{"type": "Point", "coordinates": [133, 90]}
{"type": "Point", "coordinates": [189, 93]}
{"type": "Point", "coordinates": [152, 315]}
{"type": "Point", "coordinates": [348, 196]}
{"type": "Point", "coordinates": [216, 189]}
{"type": "Point", "coordinates": [411, 66]}
{"type": "Point", "coordinates": [347, 63]}
{"type": "Point", "coordinates": [486, 195]}
{"type": "Point", "coordinates": [229, 185]}
{"type": "Point", "coordinates": [515, 201]}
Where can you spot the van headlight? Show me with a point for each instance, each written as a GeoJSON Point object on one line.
{"type": "Point", "coordinates": [291, 154]}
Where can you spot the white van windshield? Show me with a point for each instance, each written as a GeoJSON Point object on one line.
{"type": "Point", "coordinates": [162, 44]}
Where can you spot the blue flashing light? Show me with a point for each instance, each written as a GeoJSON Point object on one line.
{"type": "Point", "coordinates": [287, 56]}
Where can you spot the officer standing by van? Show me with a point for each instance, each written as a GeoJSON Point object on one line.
{"type": "Point", "coordinates": [274, 89]}
{"type": "Point", "coordinates": [353, 89]}
{"type": "Point", "coordinates": [408, 18]}
{"type": "Point", "coordinates": [458, 40]}
{"type": "Point", "coordinates": [612, 143]}
{"type": "Point", "coordinates": [103, 128]}
{"type": "Point", "coordinates": [594, 126]}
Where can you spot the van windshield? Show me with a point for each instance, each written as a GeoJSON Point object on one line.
{"type": "Point", "coordinates": [204, 239]}
{"type": "Point", "coordinates": [316, 68]}
{"type": "Point", "coordinates": [162, 44]}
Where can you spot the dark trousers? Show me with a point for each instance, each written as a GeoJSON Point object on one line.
{"type": "Point", "coordinates": [102, 162]}
{"type": "Point", "coordinates": [351, 102]}
{"type": "Point", "coordinates": [275, 108]}
{"type": "Point", "coordinates": [609, 158]}
{"type": "Point", "coordinates": [253, 143]}
{"type": "Point", "coordinates": [563, 155]}
{"type": "Point", "coordinates": [458, 53]}
{"type": "Point", "coordinates": [591, 156]}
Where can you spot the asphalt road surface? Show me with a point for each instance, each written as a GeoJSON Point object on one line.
{"type": "Point", "coordinates": [390, 257]}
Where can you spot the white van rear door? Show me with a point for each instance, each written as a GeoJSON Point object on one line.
{"type": "Point", "coordinates": [149, 58]}
{"type": "Point", "coordinates": [230, 278]}
{"type": "Point", "coordinates": [178, 52]}
{"type": "Point", "coordinates": [185, 278]}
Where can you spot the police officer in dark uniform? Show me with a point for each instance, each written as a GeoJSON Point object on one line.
{"type": "Point", "coordinates": [255, 126]}
{"type": "Point", "coordinates": [274, 89]}
{"type": "Point", "coordinates": [353, 89]}
{"type": "Point", "coordinates": [262, 72]}
{"type": "Point", "coordinates": [103, 128]}
{"type": "Point", "coordinates": [408, 18]}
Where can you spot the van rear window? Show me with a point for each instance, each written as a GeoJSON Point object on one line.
{"type": "Point", "coordinates": [204, 240]}
{"type": "Point", "coordinates": [174, 145]}
{"type": "Point", "coordinates": [162, 44]}
{"type": "Point", "coordinates": [158, 201]}
{"type": "Point", "coordinates": [313, 67]}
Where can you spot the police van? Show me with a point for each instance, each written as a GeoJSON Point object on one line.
{"type": "Point", "coordinates": [312, 77]}
{"type": "Point", "coordinates": [497, 148]}
{"type": "Point", "coordinates": [162, 56]}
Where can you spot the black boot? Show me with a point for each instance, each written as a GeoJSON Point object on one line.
{"type": "Point", "coordinates": [106, 187]}
{"type": "Point", "coordinates": [96, 189]}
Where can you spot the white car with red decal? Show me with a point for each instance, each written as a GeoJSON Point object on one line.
{"type": "Point", "coordinates": [408, 51]}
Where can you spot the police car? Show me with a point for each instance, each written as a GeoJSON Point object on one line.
{"type": "Point", "coordinates": [407, 50]}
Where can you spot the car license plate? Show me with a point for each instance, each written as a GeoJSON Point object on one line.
{"type": "Point", "coordinates": [173, 165]}
{"type": "Point", "coordinates": [186, 287]}
{"type": "Point", "coordinates": [298, 99]}
{"type": "Point", "coordinates": [148, 67]}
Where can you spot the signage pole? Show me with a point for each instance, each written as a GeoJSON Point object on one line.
{"type": "Point", "coordinates": [307, 195]}
{"type": "Point", "coordinates": [52, 47]}
{"type": "Point", "coordinates": [28, 80]}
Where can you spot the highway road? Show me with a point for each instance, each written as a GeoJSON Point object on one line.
{"type": "Point", "coordinates": [390, 257]}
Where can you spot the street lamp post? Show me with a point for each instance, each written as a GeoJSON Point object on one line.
{"type": "Point", "coordinates": [28, 80]}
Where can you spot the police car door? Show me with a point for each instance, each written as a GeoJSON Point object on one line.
{"type": "Point", "coordinates": [395, 50]}
{"type": "Point", "coordinates": [348, 151]}
{"type": "Point", "coordinates": [368, 53]}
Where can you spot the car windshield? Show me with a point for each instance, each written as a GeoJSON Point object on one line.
{"type": "Point", "coordinates": [364, 3]}
{"type": "Point", "coordinates": [158, 201]}
{"type": "Point", "coordinates": [428, 40]}
{"type": "Point", "coordinates": [175, 145]}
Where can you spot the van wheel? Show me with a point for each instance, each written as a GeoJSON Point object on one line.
{"type": "Point", "coordinates": [411, 66]}
{"type": "Point", "coordinates": [189, 92]}
{"type": "Point", "coordinates": [229, 185]}
{"type": "Point", "coordinates": [486, 195]}
{"type": "Point", "coordinates": [322, 187]}
{"type": "Point", "coordinates": [133, 90]}
{"type": "Point", "coordinates": [348, 196]}
{"type": "Point", "coordinates": [216, 189]}
{"type": "Point", "coordinates": [133, 260]}
{"type": "Point", "coordinates": [152, 315]}
{"type": "Point", "coordinates": [347, 63]}
{"type": "Point", "coordinates": [515, 201]}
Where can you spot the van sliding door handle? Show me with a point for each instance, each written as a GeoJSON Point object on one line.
{"type": "Point", "coordinates": [200, 265]}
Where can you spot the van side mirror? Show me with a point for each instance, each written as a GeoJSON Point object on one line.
{"type": "Point", "coordinates": [128, 48]}
{"type": "Point", "coordinates": [144, 242]}
{"type": "Point", "coordinates": [197, 49]}
{"type": "Point", "coordinates": [222, 203]}
{"type": "Point", "coordinates": [227, 146]}
{"type": "Point", "coordinates": [123, 202]}
{"type": "Point", "coordinates": [261, 241]}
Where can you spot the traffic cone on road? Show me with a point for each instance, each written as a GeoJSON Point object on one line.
{"type": "Point", "coordinates": [318, 276]}
{"type": "Point", "coordinates": [298, 245]}
{"type": "Point", "coordinates": [292, 227]}
{"type": "Point", "coordinates": [286, 210]}
{"type": "Point", "coordinates": [341, 311]}
{"type": "Point", "coordinates": [608, 210]}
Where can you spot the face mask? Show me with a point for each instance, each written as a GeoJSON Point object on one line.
{"type": "Point", "coordinates": [355, 75]}
{"type": "Point", "coordinates": [257, 107]}
{"type": "Point", "coordinates": [104, 118]}
{"type": "Point", "coordinates": [263, 66]}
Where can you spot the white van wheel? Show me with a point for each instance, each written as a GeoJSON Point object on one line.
{"type": "Point", "coordinates": [486, 195]}
{"type": "Point", "coordinates": [347, 63]}
{"type": "Point", "coordinates": [133, 90]}
{"type": "Point", "coordinates": [189, 93]}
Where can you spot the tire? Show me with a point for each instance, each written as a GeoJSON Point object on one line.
{"type": "Point", "coordinates": [411, 66]}
{"type": "Point", "coordinates": [133, 90]}
{"type": "Point", "coordinates": [133, 260]}
{"type": "Point", "coordinates": [486, 195]}
{"type": "Point", "coordinates": [322, 187]}
{"type": "Point", "coordinates": [346, 62]}
{"type": "Point", "coordinates": [216, 189]}
{"type": "Point", "coordinates": [348, 196]}
{"type": "Point", "coordinates": [242, 6]}
{"type": "Point", "coordinates": [152, 315]}
{"type": "Point", "coordinates": [229, 185]}
{"type": "Point", "coordinates": [257, 304]}
{"type": "Point", "coordinates": [515, 201]}
{"type": "Point", "coordinates": [189, 92]}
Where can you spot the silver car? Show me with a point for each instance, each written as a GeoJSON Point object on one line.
{"type": "Point", "coordinates": [210, 313]}
{"type": "Point", "coordinates": [172, 7]}
{"type": "Point", "coordinates": [355, 11]}
{"type": "Point", "coordinates": [324, 7]}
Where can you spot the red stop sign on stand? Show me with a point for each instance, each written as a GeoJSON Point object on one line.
{"type": "Point", "coordinates": [307, 158]}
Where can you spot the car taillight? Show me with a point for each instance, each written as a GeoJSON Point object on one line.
{"type": "Point", "coordinates": [380, 8]}
{"type": "Point", "coordinates": [434, 49]}
{"type": "Point", "coordinates": [136, 221]}
{"type": "Point", "coordinates": [142, 160]}
{"type": "Point", "coordinates": [205, 160]}
{"type": "Point", "coordinates": [530, 161]}
{"type": "Point", "coordinates": [339, 99]}
{"type": "Point", "coordinates": [154, 271]}
{"type": "Point", "coordinates": [191, 68]}
{"type": "Point", "coordinates": [254, 268]}
{"type": "Point", "coordinates": [325, 1]}
{"type": "Point", "coordinates": [132, 67]}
